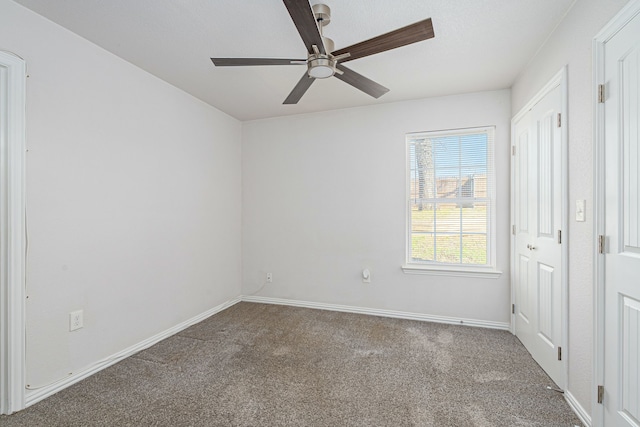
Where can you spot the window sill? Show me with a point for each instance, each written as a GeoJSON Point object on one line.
{"type": "Point", "coordinates": [484, 273]}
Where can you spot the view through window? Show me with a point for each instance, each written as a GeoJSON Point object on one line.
{"type": "Point", "coordinates": [451, 193]}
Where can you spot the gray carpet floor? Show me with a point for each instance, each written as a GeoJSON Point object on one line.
{"type": "Point", "coordinates": [268, 365]}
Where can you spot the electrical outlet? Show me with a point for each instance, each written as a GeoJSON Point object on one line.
{"type": "Point", "coordinates": [75, 320]}
{"type": "Point", "coordinates": [269, 278]}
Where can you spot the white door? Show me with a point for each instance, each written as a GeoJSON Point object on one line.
{"type": "Point", "coordinates": [622, 228]}
{"type": "Point", "coordinates": [538, 220]}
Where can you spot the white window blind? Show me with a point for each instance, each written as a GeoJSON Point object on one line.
{"type": "Point", "coordinates": [451, 202]}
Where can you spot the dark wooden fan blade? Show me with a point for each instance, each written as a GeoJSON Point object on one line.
{"type": "Point", "coordinates": [417, 32]}
{"type": "Point", "coordinates": [299, 90]}
{"type": "Point", "coordinates": [304, 20]}
{"type": "Point", "coordinates": [359, 81]}
{"type": "Point", "coordinates": [234, 62]}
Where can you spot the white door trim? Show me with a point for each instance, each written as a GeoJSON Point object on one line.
{"type": "Point", "coordinates": [560, 79]}
{"type": "Point", "coordinates": [12, 223]}
{"type": "Point", "coordinates": [625, 15]}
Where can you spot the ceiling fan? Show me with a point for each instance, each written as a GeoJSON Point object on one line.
{"type": "Point", "coordinates": [322, 60]}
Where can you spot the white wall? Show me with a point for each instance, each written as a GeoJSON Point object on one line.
{"type": "Point", "coordinates": [133, 200]}
{"type": "Point", "coordinates": [324, 196]}
{"type": "Point", "coordinates": [571, 44]}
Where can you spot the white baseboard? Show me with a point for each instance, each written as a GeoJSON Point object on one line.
{"type": "Point", "coordinates": [379, 312]}
{"type": "Point", "coordinates": [34, 396]}
{"type": "Point", "coordinates": [577, 408]}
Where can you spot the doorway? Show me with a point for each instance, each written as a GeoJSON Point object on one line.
{"type": "Point", "coordinates": [12, 232]}
{"type": "Point", "coordinates": [539, 224]}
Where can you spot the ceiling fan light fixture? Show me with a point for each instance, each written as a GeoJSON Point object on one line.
{"type": "Point", "coordinates": [320, 67]}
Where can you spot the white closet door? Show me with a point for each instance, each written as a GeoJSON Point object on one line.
{"type": "Point", "coordinates": [538, 219]}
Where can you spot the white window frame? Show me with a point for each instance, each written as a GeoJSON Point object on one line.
{"type": "Point", "coordinates": [487, 270]}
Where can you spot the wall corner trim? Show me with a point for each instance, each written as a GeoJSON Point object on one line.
{"type": "Point", "coordinates": [577, 408]}
{"type": "Point", "coordinates": [12, 231]}
{"type": "Point", "coordinates": [379, 312]}
{"type": "Point", "coordinates": [40, 394]}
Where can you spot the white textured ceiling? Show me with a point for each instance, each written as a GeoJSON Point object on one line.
{"type": "Point", "coordinates": [478, 45]}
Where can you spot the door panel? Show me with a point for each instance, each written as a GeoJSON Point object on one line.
{"type": "Point", "coordinates": [522, 299]}
{"type": "Point", "coordinates": [545, 175]}
{"type": "Point", "coordinates": [630, 342]}
{"type": "Point", "coordinates": [545, 304]}
{"type": "Point", "coordinates": [522, 175]}
{"type": "Point", "coordinates": [538, 205]}
{"type": "Point", "coordinates": [631, 152]}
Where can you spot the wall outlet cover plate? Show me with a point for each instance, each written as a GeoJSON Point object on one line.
{"type": "Point", "coordinates": [75, 320]}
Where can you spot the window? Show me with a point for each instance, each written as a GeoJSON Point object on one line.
{"type": "Point", "coordinates": [450, 200]}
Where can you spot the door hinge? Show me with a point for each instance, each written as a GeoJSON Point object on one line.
{"type": "Point", "coordinates": [600, 393]}
{"type": "Point", "coordinates": [601, 94]}
{"type": "Point", "coordinates": [600, 244]}
{"type": "Point", "coordinates": [559, 353]}
{"type": "Point", "coordinates": [513, 229]}
{"type": "Point", "coordinates": [559, 237]}
{"type": "Point", "coordinates": [513, 309]}
{"type": "Point", "coordinates": [513, 150]}
{"type": "Point", "coordinates": [559, 120]}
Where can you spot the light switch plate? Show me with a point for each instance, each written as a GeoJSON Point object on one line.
{"type": "Point", "coordinates": [581, 206]}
